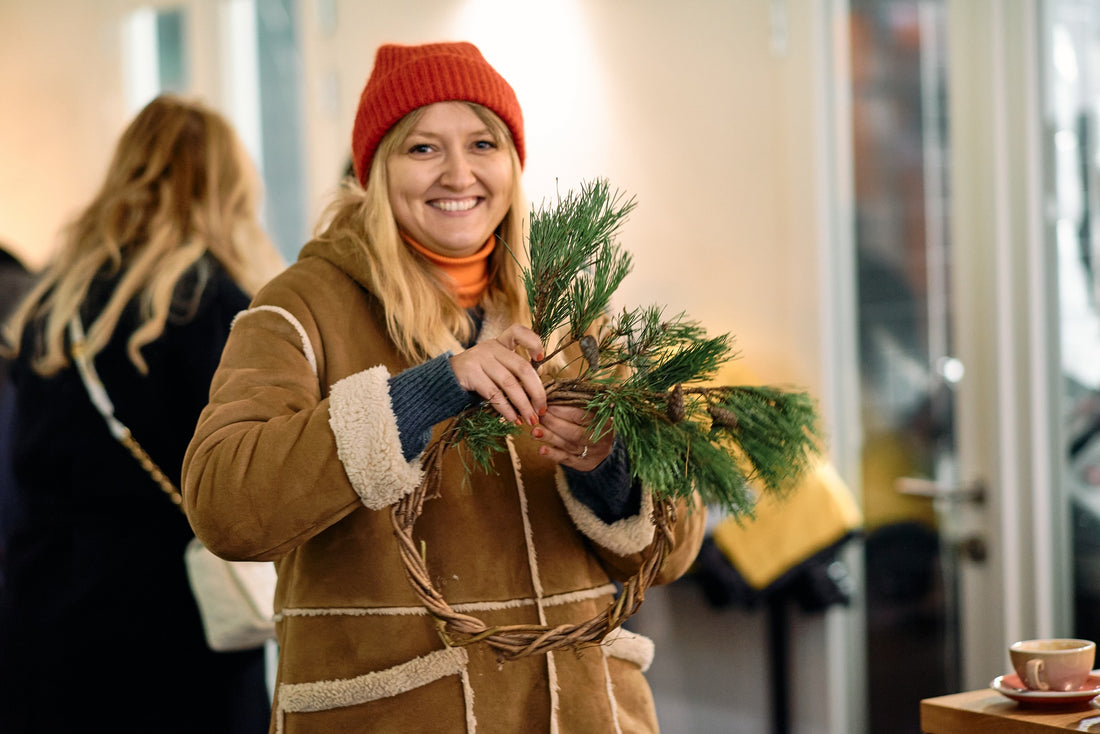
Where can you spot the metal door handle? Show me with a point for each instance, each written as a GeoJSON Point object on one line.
{"type": "Point", "coordinates": [914, 486]}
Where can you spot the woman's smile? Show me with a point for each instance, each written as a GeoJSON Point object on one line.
{"type": "Point", "coordinates": [455, 205]}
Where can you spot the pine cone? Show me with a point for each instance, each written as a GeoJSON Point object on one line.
{"type": "Point", "coordinates": [722, 416]}
{"type": "Point", "coordinates": [675, 404]}
{"type": "Point", "coordinates": [591, 351]}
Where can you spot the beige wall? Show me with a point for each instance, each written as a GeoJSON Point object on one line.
{"type": "Point", "coordinates": [63, 105]}
{"type": "Point", "coordinates": [61, 76]}
{"type": "Point", "coordinates": [684, 105]}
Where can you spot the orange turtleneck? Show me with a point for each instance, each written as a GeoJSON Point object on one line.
{"type": "Point", "coordinates": [470, 274]}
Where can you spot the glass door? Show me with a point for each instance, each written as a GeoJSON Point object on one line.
{"type": "Point", "coordinates": [907, 372]}
{"type": "Point", "coordinates": [1071, 39]}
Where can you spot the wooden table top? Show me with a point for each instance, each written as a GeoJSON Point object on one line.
{"type": "Point", "coordinates": [987, 712]}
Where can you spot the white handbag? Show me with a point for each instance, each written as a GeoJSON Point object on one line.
{"type": "Point", "coordinates": [236, 598]}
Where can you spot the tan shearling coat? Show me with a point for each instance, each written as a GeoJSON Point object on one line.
{"type": "Point", "coordinates": [297, 459]}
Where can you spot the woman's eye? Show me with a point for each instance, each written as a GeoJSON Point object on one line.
{"type": "Point", "coordinates": [485, 144]}
{"type": "Point", "coordinates": [420, 148]}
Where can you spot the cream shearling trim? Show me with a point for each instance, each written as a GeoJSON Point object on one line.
{"type": "Point", "coordinates": [528, 533]}
{"type": "Point", "coordinates": [468, 699]}
{"type": "Point", "coordinates": [536, 582]}
{"type": "Point", "coordinates": [609, 689]}
{"type": "Point", "coordinates": [555, 691]}
{"type": "Point", "coordinates": [331, 694]}
{"type": "Point", "coordinates": [626, 536]}
{"type": "Point", "coordinates": [467, 608]}
{"type": "Point", "coordinates": [630, 646]}
{"type": "Point", "coordinates": [307, 346]}
{"type": "Point", "coordinates": [367, 441]}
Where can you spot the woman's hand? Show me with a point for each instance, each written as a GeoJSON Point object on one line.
{"type": "Point", "coordinates": [495, 371]}
{"type": "Point", "coordinates": [566, 433]}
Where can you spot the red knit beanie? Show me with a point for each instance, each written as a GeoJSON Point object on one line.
{"type": "Point", "coordinates": [407, 77]}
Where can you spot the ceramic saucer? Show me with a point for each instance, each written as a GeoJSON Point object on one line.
{"type": "Point", "coordinates": [1010, 685]}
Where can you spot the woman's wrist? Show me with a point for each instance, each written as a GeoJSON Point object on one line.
{"type": "Point", "coordinates": [422, 396]}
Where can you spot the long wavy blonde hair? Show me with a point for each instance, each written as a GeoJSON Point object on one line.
{"type": "Point", "coordinates": [179, 185]}
{"type": "Point", "coordinates": [422, 316]}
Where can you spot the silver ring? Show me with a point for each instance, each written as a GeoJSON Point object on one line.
{"type": "Point", "coordinates": [584, 453]}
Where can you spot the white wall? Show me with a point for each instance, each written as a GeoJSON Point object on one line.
{"type": "Point", "coordinates": [684, 105]}
{"type": "Point", "coordinates": [63, 106]}
{"type": "Point", "coordinates": [706, 110]}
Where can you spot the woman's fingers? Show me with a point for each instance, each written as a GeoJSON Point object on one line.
{"type": "Point", "coordinates": [504, 378]}
{"type": "Point", "coordinates": [566, 435]}
{"type": "Point", "coordinates": [568, 428]}
{"type": "Point", "coordinates": [521, 336]}
{"type": "Point", "coordinates": [510, 385]}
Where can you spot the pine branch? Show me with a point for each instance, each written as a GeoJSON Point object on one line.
{"type": "Point", "coordinates": [643, 374]}
{"type": "Point", "coordinates": [576, 263]}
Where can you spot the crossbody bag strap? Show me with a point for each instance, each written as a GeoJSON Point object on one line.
{"type": "Point", "coordinates": [98, 394]}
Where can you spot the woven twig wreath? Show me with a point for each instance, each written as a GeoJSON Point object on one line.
{"type": "Point", "coordinates": [520, 640]}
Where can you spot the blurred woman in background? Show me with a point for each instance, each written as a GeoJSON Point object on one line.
{"type": "Point", "coordinates": [97, 619]}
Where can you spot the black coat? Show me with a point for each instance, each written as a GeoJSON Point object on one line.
{"type": "Point", "coordinates": [97, 621]}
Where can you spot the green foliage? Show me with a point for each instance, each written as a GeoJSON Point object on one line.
{"type": "Point", "coordinates": [643, 374]}
{"type": "Point", "coordinates": [576, 264]}
{"type": "Point", "coordinates": [772, 428]}
{"type": "Point", "coordinates": [661, 352]}
{"type": "Point", "coordinates": [683, 362]}
{"type": "Point", "coordinates": [482, 433]}
{"type": "Point", "coordinates": [673, 458]}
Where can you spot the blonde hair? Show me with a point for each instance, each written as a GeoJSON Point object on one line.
{"type": "Point", "coordinates": [179, 185]}
{"type": "Point", "coordinates": [422, 316]}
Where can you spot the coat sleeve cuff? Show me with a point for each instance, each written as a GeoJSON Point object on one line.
{"type": "Point", "coordinates": [367, 440]}
{"type": "Point", "coordinates": [608, 490]}
{"type": "Point", "coordinates": [623, 537]}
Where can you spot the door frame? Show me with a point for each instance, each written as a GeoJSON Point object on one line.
{"type": "Point", "coordinates": [845, 663]}
{"type": "Point", "coordinates": [1003, 285]}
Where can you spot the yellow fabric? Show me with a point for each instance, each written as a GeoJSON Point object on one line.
{"type": "Point", "coordinates": [888, 455]}
{"type": "Point", "coordinates": [818, 513]}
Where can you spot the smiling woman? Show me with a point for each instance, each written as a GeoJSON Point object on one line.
{"type": "Point", "coordinates": [408, 307]}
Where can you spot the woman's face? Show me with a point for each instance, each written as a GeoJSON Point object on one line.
{"type": "Point", "coordinates": [449, 184]}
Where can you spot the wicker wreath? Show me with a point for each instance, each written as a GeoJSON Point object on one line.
{"type": "Point", "coordinates": [512, 642]}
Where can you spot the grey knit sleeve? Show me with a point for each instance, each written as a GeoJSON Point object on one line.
{"type": "Point", "coordinates": [607, 490]}
{"type": "Point", "coordinates": [422, 396]}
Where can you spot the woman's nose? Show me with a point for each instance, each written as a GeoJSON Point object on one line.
{"type": "Point", "coordinates": [457, 171]}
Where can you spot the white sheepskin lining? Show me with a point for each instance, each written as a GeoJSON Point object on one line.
{"type": "Point", "coordinates": [307, 346]}
{"type": "Point", "coordinates": [624, 537]}
{"type": "Point", "coordinates": [553, 600]}
{"type": "Point", "coordinates": [332, 694]}
{"type": "Point", "coordinates": [630, 646]}
{"type": "Point", "coordinates": [609, 687]}
{"type": "Point", "coordinates": [367, 441]}
{"type": "Point", "coordinates": [536, 578]}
